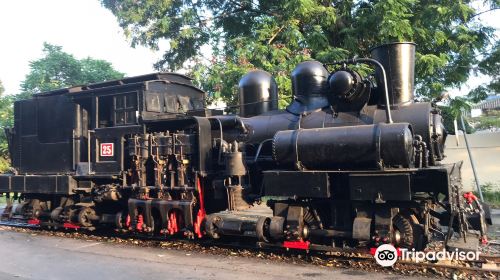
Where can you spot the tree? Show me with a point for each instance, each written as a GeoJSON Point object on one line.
{"type": "Point", "coordinates": [58, 69]}
{"type": "Point", "coordinates": [276, 35]}
{"type": "Point", "coordinates": [490, 66]}
{"type": "Point", "coordinates": [6, 119]}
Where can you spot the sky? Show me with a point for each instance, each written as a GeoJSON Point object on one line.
{"type": "Point", "coordinates": [84, 28]}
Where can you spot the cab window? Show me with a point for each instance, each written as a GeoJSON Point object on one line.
{"type": "Point", "coordinates": [153, 102]}
{"type": "Point", "coordinates": [125, 109]}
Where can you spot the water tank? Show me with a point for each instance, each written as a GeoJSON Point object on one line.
{"type": "Point", "coordinates": [258, 93]}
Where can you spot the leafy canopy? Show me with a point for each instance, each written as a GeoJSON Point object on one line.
{"type": "Point", "coordinates": [58, 69]}
{"type": "Point", "coordinates": [276, 35]}
{"type": "Point", "coordinates": [490, 65]}
{"type": "Point", "coordinates": [6, 113]}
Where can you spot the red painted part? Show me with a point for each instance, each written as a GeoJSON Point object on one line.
{"type": "Point", "coordinates": [173, 226]}
{"type": "Point", "coordinates": [201, 213]}
{"type": "Point", "coordinates": [70, 226]}
{"type": "Point", "coordinates": [470, 197]}
{"type": "Point", "coordinates": [34, 222]}
{"type": "Point", "coordinates": [484, 240]}
{"type": "Point", "coordinates": [140, 223]}
{"type": "Point", "coordinates": [127, 221]}
{"type": "Point", "coordinates": [303, 245]}
{"type": "Point", "coordinates": [399, 251]}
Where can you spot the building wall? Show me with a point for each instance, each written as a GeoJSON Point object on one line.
{"type": "Point", "coordinates": [485, 149]}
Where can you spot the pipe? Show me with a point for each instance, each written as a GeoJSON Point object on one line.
{"type": "Point", "coordinates": [89, 145]}
{"type": "Point", "coordinates": [384, 76]}
{"type": "Point", "coordinates": [330, 233]}
{"type": "Point", "coordinates": [260, 148]}
{"type": "Point", "coordinates": [231, 121]}
{"type": "Point", "coordinates": [221, 139]}
{"type": "Point", "coordinates": [476, 178]}
{"type": "Point", "coordinates": [381, 67]}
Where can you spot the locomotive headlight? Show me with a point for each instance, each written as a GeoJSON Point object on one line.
{"type": "Point", "coordinates": [346, 85]}
{"type": "Point", "coordinates": [348, 91]}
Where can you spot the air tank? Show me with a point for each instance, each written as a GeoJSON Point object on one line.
{"type": "Point", "coordinates": [353, 147]}
{"type": "Point", "coordinates": [398, 60]}
{"type": "Point", "coordinates": [258, 93]}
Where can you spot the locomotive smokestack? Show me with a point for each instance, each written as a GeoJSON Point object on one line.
{"type": "Point", "coordinates": [398, 60]}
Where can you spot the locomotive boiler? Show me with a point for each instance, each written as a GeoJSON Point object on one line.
{"type": "Point", "coordinates": [353, 160]}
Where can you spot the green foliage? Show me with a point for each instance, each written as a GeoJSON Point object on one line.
{"type": "Point", "coordinates": [6, 119]}
{"type": "Point", "coordinates": [491, 66]}
{"type": "Point", "coordinates": [58, 69]}
{"type": "Point", "coordinates": [491, 194]}
{"type": "Point", "coordinates": [276, 35]}
{"type": "Point", "coordinates": [489, 120]}
{"type": "Point", "coordinates": [449, 115]}
{"type": "Point", "coordinates": [4, 164]}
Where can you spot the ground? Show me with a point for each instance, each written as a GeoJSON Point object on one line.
{"type": "Point", "coordinates": [33, 256]}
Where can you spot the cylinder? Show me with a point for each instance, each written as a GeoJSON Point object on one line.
{"type": "Point", "coordinates": [398, 60]}
{"type": "Point", "coordinates": [229, 224]}
{"type": "Point", "coordinates": [258, 93]}
{"type": "Point", "coordinates": [351, 147]}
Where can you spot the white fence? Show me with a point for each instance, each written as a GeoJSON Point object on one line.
{"type": "Point", "coordinates": [485, 149]}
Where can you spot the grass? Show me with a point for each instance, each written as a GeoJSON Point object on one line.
{"type": "Point", "coordinates": [491, 194]}
{"type": "Point", "coordinates": [491, 119]}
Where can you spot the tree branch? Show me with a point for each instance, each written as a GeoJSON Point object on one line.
{"type": "Point", "coordinates": [483, 12]}
{"type": "Point", "coordinates": [274, 35]}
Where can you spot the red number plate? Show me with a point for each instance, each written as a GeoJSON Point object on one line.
{"type": "Point", "coordinates": [107, 149]}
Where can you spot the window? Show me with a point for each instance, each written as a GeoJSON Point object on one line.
{"type": "Point", "coordinates": [125, 108]}
{"type": "Point", "coordinates": [197, 104]}
{"type": "Point", "coordinates": [105, 109]}
{"type": "Point", "coordinates": [185, 103]}
{"type": "Point", "coordinates": [153, 102]}
{"type": "Point", "coordinates": [171, 104]}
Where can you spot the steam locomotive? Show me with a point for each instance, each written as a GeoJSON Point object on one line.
{"type": "Point", "coordinates": [353, 160]}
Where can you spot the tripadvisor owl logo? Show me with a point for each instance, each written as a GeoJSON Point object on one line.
{"type": "Point", "coordinates": [386, 255]}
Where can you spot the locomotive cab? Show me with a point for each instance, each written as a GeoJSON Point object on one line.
{"type": "Point", "coordinates": [79, 131]}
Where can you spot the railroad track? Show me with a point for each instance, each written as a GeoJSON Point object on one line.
{"type": "Point", "coordinates": [488, 266]}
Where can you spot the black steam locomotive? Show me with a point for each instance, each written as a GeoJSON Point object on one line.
{"type": "Point", "coordinates": [352, 160]}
